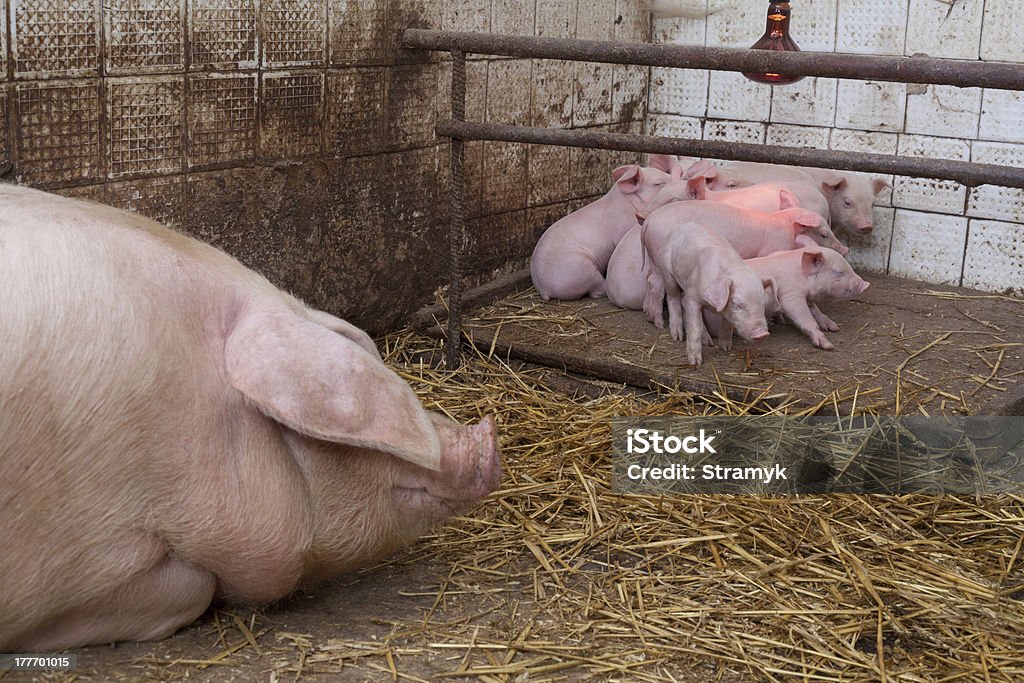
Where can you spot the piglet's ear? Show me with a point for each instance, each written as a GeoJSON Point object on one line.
{"type": "Point", "coordinates": [697, 187]}
{"type": "Point", "coordinates": [628, 178]}
{"type": "Point", "coordinates": [717, 293]}
{"type": "Point", "coordinates": [701, 167]}
{"type": "Point", "coordinates": [662, 162]}
{"type": "Point", "coordinates": [832, 184]}
{"type": "Point", "coordinates": [808, 219]}
{"type": "Point", "coordinates": [788, 200]}
{"type": "Point", "coordinates": [327, 386]}
{"type": "Point", "coordinates": [811, 261]}
{"type": "Point", "coordinates": [879, 184]}
{"type": "Point", "coordinates": [802, 240]}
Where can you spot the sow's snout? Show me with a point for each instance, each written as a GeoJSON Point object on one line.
{"type": "Point", "coordinates": [470, 468]}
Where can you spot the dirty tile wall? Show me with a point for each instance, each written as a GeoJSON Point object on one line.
{"type": "Point", "coordinates": [297, 135]}
{"type": "Point", "coordinates": [937, 231]}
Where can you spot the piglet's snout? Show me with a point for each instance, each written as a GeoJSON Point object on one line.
{"type": "Point", "coordinates": [759, 334]}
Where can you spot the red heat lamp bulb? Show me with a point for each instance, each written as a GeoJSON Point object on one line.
{"type": "Point", "coordinates": [776, 37]}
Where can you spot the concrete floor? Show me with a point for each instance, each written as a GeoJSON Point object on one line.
{"type": "Point", "coordinates": [904, 347]}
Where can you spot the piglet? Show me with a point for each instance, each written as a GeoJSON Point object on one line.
{"type": "Point", "coordinates": [571, 257]}
{"type": "Point", "coordinates": [175, 429]}
{"type": "Point", "coordinates": [850, 196]}
{"type": "Point", "coordinates": [764, 196]}
{"type": "Point", "coordinates": [696, 267]}
{"type": "Point", "coordinates": [799, 279]}
{"type": "Point", "coordinates": [626, 281]}
{"type": "Point", "coordinates": [754, 233]}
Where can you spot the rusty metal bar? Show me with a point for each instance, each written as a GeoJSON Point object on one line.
{"type": "Point", "coordinates": [457, 235]}
{"type": "Point", "coordinates": [967, 173]}
{"type": "Point", "coordinates": [958, 72]}
{"type": "Point", "coordinates": [961, 73]}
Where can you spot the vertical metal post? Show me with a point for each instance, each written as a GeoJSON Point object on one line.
{"type": "Point", "coordinates": [457, 235]}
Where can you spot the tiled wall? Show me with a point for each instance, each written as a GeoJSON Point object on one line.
{"type": "Point", "coordinates": [515, 191]}
{"type": "Point", "coordinates": [297, 134]}
{"type": "Point", "coordinates": [937, 231]}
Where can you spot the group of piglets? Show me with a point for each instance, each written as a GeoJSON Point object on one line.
{"type": "Point", "coordinates": [725, 247]}
{"type": "Point", "coordinates": [174, 429]}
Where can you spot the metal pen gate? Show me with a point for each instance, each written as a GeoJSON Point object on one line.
{"type": "Point", "coordinates": [923, 70]}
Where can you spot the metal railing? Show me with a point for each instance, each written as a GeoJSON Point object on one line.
{"type": "Point", "coordinates": [955, 72]}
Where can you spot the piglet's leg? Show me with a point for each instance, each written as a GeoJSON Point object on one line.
{"type": "Point", "coordinates": [654, 299]}
{"type": "Point", "coordinates": [725, 330]}
{"type": "Point", "coordinates": [800, 315]}
{"type": "Point", "coordinates": [824, 322]}
{"type": "Point", "coordinates": [674, 299]}
{"type": "Point", "coordinates": [149, 606]}
{"type": "Point", "coordinates": [694, 330]}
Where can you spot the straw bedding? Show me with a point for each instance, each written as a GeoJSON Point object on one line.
{"type": "Point", "coordinates": [556, 578]}
{"type": "Point", "coordinates": [560, 579]}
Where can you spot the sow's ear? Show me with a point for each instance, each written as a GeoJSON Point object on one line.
{"type": "Point", "coordinates": [345, 329]}
{"type": "Point", "coordinates": [327, 386]}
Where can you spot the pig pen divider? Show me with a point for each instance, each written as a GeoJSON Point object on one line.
{"type": "Point", "coordinates": [923, 70]}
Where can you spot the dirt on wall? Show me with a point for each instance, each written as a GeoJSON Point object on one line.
{"type": "Point", "coordinates": [300, 136]}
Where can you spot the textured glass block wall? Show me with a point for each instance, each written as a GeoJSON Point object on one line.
{"type": "Point", "coordinates": [936, 231]}
{"type": "Point", "coordinates": [297, 135]}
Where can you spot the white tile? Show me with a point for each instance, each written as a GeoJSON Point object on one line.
{"type": "Point", "coordinates": [1002, 116]}
{"type": "Point", "coordinates": [504, 177]}
{"type": "Point", "coordinates": [504, 105]}
{"type": "Point", "coordinates": [943, 110]}
{"type": "Point", "coordinates": [797, 136]}
{"type": "Point", "coordinates": [870, 253]}
{"type": "Point", "coordinates": [927, 194]}
{"type": "Point", "coordinates": [679, 30]}
{"type": "Point", "coordinates": [928, 246]}
{"type": "Point", "coordinates": [949, 28]}
{"type": "Point", "coordinates": [466, 15]}
{"type": "Point", "coordinates": [669, 126]}
{"type": "Point", "coordinates": [555, 18]}
{"type": "Point", "coordinates": [595, 20]}
{"type": "Point", "coordinates": [995, 257]}
{"type": "Point", "coordinates": [592, 94]}
{"type": "Point", "coordinates": [734, 131]}
{"type": "Point", "coordinates": [679, 91]}
{"type": "Point", "coordinates": [871, 105]}
{"type": "Point", "coordinates": [512, 17]}
{"type": "Point", "coordinates": [732, 96]}
{"type": "Point", "coordinates": [994, 201]}
{"type": "Point", "coordinates": [553, 87]}
{"type": "Point", "coordinates": [629, 93]}
{"type": "Point", "coordinates": [632, 22]}
{"type": "Point", "coordinates": [1000, 35]}
{"type": "Point", "coordinates": [735, 24]}
{"type": "Point", "coordinates": [813, 25]}
{"type": "Point", "coordinates": [863, 141]}
{"type": "Point", "coordinates": [871, 27]}
{"type": "Point", "coordinates": [547, 174]}
{"type": "Point", "coordinates": [811, 101]}
{"type": "Point", "coordinates": [1000, 203]}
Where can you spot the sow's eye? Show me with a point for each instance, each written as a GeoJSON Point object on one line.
{"type": "Point", "coordinates": [847, 202]}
